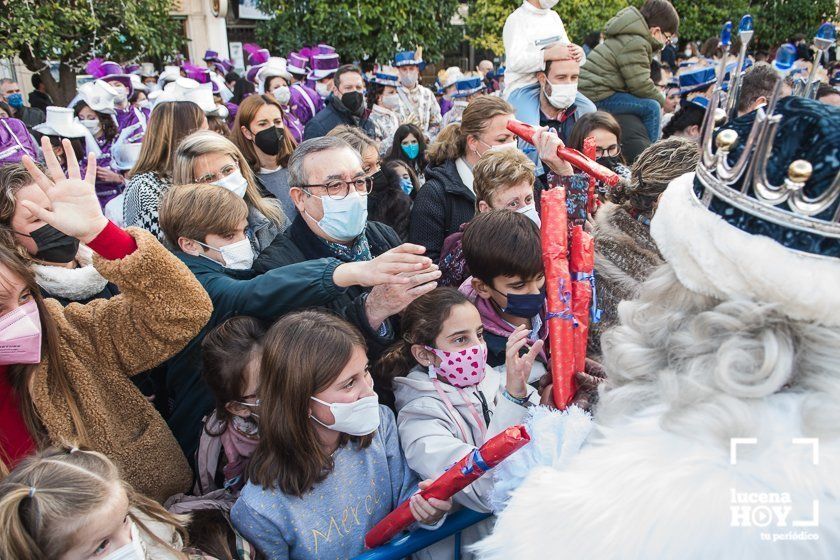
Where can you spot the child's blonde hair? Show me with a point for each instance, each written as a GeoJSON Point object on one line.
{"type": "Point", "coordinates": [49, 495]}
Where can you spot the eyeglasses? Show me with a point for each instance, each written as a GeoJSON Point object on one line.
{"type": "Point", "coordinates": [610, 151]}
{"type": "Point", "coordinates": [338, 190]}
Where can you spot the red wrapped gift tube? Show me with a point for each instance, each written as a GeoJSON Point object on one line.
{"type": "Point", "coordinates": [585, 164]}
{"type": "Point", "coordinates": [554, 236]}
{"type": "Point", "coordinates": [581, 269]}
{"type": "Point", "coordinates": [459, 476]}
{"type": "Point", "coordinates": [589, 151]}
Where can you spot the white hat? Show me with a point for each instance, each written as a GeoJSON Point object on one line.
{"type": "Point", "coordinates": [137, 84]}
{"type": "Point", "coordinates": [62, 122]}
{"type": "Point", "coordinates": [99, 95]}
{"type": "Point", "coordinates": [169, 74]}
{"type": "Point", "coordinates": [147, 70]}
{"type": "Point", "coordinates": [186, 89]}
{"type": "Point", "coordinates": [276, 66]}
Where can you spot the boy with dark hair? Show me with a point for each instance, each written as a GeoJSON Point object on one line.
{"type": "Point", "coordinates": [502, 250]}
{"type": "Point", "coordinates": [616, 75]}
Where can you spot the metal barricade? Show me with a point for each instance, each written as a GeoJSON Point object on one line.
{"type": "Point", "coordinates": [408, 543]}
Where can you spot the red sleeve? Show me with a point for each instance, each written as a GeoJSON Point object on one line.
{"type": "Point", "coordinates": [15, 440]}
{"type": "Point", "coordinates": [113, 243]}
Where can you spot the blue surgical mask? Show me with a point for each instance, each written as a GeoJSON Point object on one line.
{"type": "Point", "coordinates": [15, 100]}
{"type": "Point", "coordinates": [406, 185]}
{"type": "Point", "coordinates": [525, 306]}
{"type": "Point", "coordinates": [411, 151]}
{"type": "Point", "coordinates": [344, 219]}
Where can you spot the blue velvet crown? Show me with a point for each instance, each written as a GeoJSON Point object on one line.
{"type": "Point", "coordinates": [776, 171]}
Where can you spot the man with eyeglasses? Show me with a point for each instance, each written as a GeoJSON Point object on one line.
{"type": "Point", "coordinates": [330, 188]}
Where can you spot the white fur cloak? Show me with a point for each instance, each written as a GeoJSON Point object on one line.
{"type": "Point", "coordinates": [638, 492]}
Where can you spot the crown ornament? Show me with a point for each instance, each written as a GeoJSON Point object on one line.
{"type": "Point", "coordinates": [732, 175]}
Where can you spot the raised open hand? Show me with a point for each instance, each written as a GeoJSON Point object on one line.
{"type": "Point", "coordinates": [74, 208]}
{"type": "Point", "coordinates": [518, 368]}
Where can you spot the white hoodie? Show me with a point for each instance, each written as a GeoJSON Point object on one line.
{"type": "Point", "coordinates": [523, 27]}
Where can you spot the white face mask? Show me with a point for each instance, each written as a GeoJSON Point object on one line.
{"type": "Point", "coordinates": [235, 183]}
{"type": "Point", "coordinates": [322, 89]}
{"type": "Point", "coordinates": [562, 95]}
{"type": "Point", "coordinates": [531, 212]}
{"type": "Point", "coordinates": [129, 551]}
{"type": "Point", "coordinates": [122, 95]}
{"type": "Point", "coordinates": [237, 256]}
{"type": "Point", "coordinates": [92, 125]}
{"type": "Point", "coordinates": [391, 101]}
{"type": "Point", "coordinates": [409, 80]}
{"type": "Point", "coordinates": [502, 147]}
{"type": "Point", "coordinates": [282, 94]}
{"type": "Point", "coordinates": [358, 418]}
{"type": "Point", "coordinates": [548, 4]}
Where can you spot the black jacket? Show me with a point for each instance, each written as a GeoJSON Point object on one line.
{"type": "Point", "coordinates": [332, 115]}
{"type": "Point", "coordinates": [443, 203]}
{"type": "Point", "coordinates": [40, 100]}
{"type": "Point", "coordinates": [299, 244]}
{"type": "Point", "coordinates": [109, 291]}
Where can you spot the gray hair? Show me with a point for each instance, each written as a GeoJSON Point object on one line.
{"type": "Point", "coordinates": [708, 361]}
{"type": "Point", "coordinates": [298, 176]}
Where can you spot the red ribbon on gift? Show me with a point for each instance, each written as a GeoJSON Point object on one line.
{"type": "Point", "coordinates": [577, 159]}
{"type": "Point", "coordinates": [459, 476]}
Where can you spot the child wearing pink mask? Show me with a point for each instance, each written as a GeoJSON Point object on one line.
{"type": "Point", "coordinates": [448, 400]}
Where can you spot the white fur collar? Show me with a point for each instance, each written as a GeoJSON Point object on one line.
{"type": "Point", "coordinates": [74, 284]}
{"type": "Point", "coordinates": [638, 492]}
{"type": "Point", "coordinates": [714, 258]}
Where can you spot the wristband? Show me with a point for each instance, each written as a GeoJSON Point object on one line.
{"type": "Point", "coordinates": [524, 401]}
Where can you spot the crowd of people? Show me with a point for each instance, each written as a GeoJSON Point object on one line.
{"type": "Point", "coordinates": [247, 316]}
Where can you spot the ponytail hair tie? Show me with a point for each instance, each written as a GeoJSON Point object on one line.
{"type": "Point", "coordinates": [31, 491]}
{"type": "Point", "coordinates": [73, 449]}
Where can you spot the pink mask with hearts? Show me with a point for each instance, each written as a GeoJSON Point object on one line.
{"type": "Point", "coordinates": [20, 335]}
{"type": "Point", "coordinates": [461, 368]}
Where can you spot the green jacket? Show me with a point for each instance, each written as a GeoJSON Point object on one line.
{"type": "Point", "coordinates": [622, 61]}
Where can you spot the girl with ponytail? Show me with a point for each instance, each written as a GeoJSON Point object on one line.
{"type": "Point", "coordinates": [448, 400]}
{"type": "Point", "coordinates": [66, 503]}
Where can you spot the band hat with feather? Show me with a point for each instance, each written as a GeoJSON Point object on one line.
{"type": "Point", "coordinates": [467, 86]}
{"type": "Point", "coordinates": [760, 217]}
{"type": "Point", "coordinates": [99, 95]}
{"type": "Point", "coordinates": [448, 77]}
{"type": "Point", "coordinates": [386, 76]}
{"type": "Point", "coordinates": [408, 58]}
{"type": "Point", "coordinates": [697, 79]}
{"type": "Point", "coordinates": [274, 67]}
{"type": "Point", "coordinates": [109, 71]}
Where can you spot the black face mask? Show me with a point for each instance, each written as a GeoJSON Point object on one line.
{"type": "Point", "coordinates": [610, 162]}
{"type": "Point", "coordinates": [354, 101]}
{"type": "Point", "coordinates": [270, 140]}
{"type": "Point", "coordinates": [380, 181]}
{"type": "Point", "coordinates": [54, 246]}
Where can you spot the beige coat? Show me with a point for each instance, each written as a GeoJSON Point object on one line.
{"type": "Point", "coordinates": [161, 307]}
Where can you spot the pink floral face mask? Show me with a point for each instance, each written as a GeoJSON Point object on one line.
{"type": "Point", "coordinates": [461, 368]}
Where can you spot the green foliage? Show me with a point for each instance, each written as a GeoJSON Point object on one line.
{"type": "Point", "coordinates": [775, 20]}
{"type": "Point", "coordinates": [361, 28]}
{"type": "Point", "coordinates": [68, 31]}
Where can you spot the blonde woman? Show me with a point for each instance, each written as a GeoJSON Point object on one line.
{"type": "Point", "coordinates": [206, 157]}
{"type": "Point", "coordinates": [65, 503]}
{"type": "Point", "coordinates": [151, 176]}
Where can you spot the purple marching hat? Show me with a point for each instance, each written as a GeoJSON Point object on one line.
{"type": "Point", "coordinates": [197, 73]}
{"type": "Point", "coordinates": [256, 54]}
{"type": "Point", "coordinates": [211, 56]}
{"type": "Point", "coordinates": [132, 68]}
{"type": "Point", "coordinates": [110, 72]}
{"type": "Point", "coordinates": [324, 48]}
{"type": "Point", "coordinates": [324, 65]}
{"type": "Point", "coordinates": [297, 64]}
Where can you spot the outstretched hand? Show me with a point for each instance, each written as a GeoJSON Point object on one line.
{"type": "Point", "coordinates": [74, 207]}
{"type": "Point", "coordinates": [388, 268]}
{"type": "Point", "coordinates": [518, 368]}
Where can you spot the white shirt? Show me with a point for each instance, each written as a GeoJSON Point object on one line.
{"type": "Point", "coordinates": [523, 27]}
{"type": "Point", "coordinates": [465, 173]}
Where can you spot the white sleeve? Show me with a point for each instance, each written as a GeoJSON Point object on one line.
{"type": "Point", "coordinates": [521, 54]}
